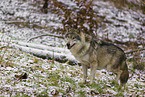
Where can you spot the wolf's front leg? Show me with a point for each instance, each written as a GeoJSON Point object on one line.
{"type": "Point", "coordinates": [85, 68]}
{"type": "Point", "coordinates": [93, 72]}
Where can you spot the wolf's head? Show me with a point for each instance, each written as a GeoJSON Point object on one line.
{"type": "Point", "coordinates": [74, 39]}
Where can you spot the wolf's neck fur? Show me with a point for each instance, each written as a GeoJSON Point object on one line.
{"type": "Point", "coordinates": [80, 49]}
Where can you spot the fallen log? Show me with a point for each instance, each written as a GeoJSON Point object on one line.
{"type": "Point", "coordinates": [42, 47]}
{"type": "Point", "coordinates": [54, 53]}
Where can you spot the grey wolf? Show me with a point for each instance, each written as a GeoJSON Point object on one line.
{"type": "Point", "coordinates": [97, 54]}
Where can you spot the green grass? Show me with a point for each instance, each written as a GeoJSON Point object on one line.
{"type": "Point", "coordinates": [47, 78]}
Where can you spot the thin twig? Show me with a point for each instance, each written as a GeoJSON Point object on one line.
{"type": "Point", "coordinates": [45, 35]}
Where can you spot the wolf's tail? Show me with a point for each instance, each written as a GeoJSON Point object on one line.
{"type": "Point", "coordinates": [124, 76]}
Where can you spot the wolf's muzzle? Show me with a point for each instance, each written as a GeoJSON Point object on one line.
{"type": "Point", "coordinates": [69, 46]}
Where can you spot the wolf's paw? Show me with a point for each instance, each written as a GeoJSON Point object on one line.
{"type": "Point", "coordinates": [91, 82]}
{"type": "Point", "coordinates": [83, 81]}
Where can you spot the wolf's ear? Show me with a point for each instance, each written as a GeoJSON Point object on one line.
{"type": "Point", "coordinates": [82, 36]}
{"type": "Point", "coordinates": [86, 37]}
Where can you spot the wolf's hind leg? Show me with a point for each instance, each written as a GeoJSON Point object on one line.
{"type": "Point", "coordinates": [85, 68]}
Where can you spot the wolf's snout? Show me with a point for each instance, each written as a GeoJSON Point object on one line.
{"type": "Point", "coordinates": [68, 45]}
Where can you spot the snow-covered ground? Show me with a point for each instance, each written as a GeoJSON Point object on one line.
{"type": "Point", "coordinates": [48, 78]}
